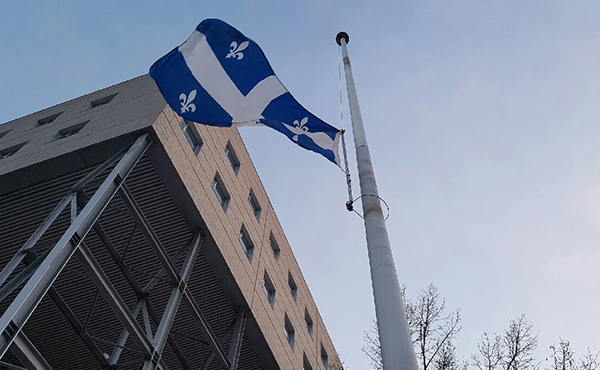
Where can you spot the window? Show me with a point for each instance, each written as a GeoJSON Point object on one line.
{"type": "Point", "coordinates": [232, 158]}
{"type": "Point", "coordinates": [293, 287]}
{"type": "Point", "coordinates": [308, 321]}
{"type": "Point", "coordinates": [254, 205]}
{"type": "Point", "coordinates": [220, 191]}
{"type": "Point", "coordinates": [5, 153]}
{"type": "Point", "coordinates": [69, 131]}
{"type": "Point", "coordinates": [246, 243]}
{"type": "Point", "coordinates": [192, 135]}
{"type": "Point", "coordinates": [102, 101]}
{"type": "Point", "coordinates": [269, 289]}
{"type": "Point", "coordinates": [324, 358]}
{"type": "Point", "coordinates": [49, 119]}
{"type": "Point", "coordinates": [3, 133]}
{"type": "Point", "coordinates": [305, 363]}
{"type": "Point", "coordinates": [288, 330]}
{"type": "Point", "coordinates": [274, 246]}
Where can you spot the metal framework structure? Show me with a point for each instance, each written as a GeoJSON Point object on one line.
{"type": "Point", "coordinates": [38, 271]}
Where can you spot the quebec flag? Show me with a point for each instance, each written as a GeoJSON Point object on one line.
{"type": "Point", "coordinates": [220, 77]}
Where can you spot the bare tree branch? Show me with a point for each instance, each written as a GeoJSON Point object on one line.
{"type": "Point", "coordinates": [489, 354]}
{"type": "Point", "coordinates": [513, 350]}
{"type": "Point", "coordinates": [432, 331]}
{"type": "Point", "coordinates": [589, 361]}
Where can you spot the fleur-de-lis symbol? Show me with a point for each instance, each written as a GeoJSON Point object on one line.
{"type": "Point", "coordinates": [186, 102]}
{"type": "Point", "coordinates": [300, 127]}
{"type": "Point", "coordinates": [236, 51]}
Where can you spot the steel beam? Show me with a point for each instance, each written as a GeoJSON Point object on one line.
{"type": "Point", "coordinates": [11, 366]}
{"type": "Point", "coordinates": [79, 329]}
{"type": "Point", "coordinates": [211, 355]}
{"type": "Point", "coordinates": [235, 346]}
{"type": "Point", "coordinates": [34, 238]}
{"type": "Point", "coordinates": [17, 314]}
{"type": "Point", "coordinates": [142, 293]}
{"type": "Point", "coordinates": [164, 328]}
{"type": "Point", "coordinates": [146, 319]}
{"type": "Point", "coordinates": [22, 276]}
{"type": "Point", "coordinates": [115, 301]}
{"type": "Point", "coordinates": [98, 170]}
{"type": "Point", "coordinates": [62, 306]}
{"type": "Point", "coordinates": [114, 357]}
{"type": "Point", "coordinates": [147, 231]}
{"type": "Point", "coordinates": [205, 329]}
{"type": "Point", "coordinates": [74, 208]}
{"type": "Point", "coordinates": [27, 354]}
{"type": "Point", "coordinates": [172, 274]}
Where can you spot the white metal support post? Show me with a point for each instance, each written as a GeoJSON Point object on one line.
{"type": "Point", "coordinates": [235, 347]}
{"type": "Point", "coordinates": [397, 350]}
{"type": "Point", "coordinates": [162, 332]}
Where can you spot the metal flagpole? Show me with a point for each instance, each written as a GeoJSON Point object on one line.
{"type": "Point", "coordinates": [397, 350]}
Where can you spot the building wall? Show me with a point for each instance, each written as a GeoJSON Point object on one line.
{"type": "Point", "coordinates": [197, 173]}
{"type": "Point", "coordinates": [138, 106]}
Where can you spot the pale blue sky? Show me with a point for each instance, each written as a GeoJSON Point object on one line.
{"type": "Point", "coordinates": [482, 119]}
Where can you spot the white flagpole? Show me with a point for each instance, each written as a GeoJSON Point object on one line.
{"type": "Point", "coordinates": [397, 351]}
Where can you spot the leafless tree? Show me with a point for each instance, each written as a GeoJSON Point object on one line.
{"type": "Point", "coordinates": [432, 331]}
{"type": "Point", "coordinates": [513, 350]}
{"type": "Point", "coordinates": [489, 354]}
{"type": "Point", "coordinates": [520, 342]}
{"type": "Point", "coordinates": [372, 348]}
{"type": "Point", "coordinates": [447, 360]}
{"type": "Point", "coordinates": [563, 357]}
{"type": "Point", "coordinates": [589, 361]}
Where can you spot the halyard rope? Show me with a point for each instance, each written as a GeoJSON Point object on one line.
{"type": "Point", "coordinates": [350, 202]}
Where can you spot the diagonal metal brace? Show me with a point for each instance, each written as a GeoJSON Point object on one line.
{"type": "Point", "coordinates": [35, 237]}
{"type": "Point", "coordinates": [136, 288]}
{"type": "Point", "coordinates": [22, 307]}
{"type": "Point", "coordinates": [79, 329]}
{"type": "Point", "coordinates": [26, 352]}
{"type": "Point", "coordinates": [32, 262]}
{"type": "Point", "coordinates": [115, 301]}
{"type": "Point", "coordinates": [172, 274]}
{"type": "Point", "coordinates": [23, 275]}
{"type": "Point", "coordinates": [164, 328]}
{"type": "Point", "coordinates": [235, 347]}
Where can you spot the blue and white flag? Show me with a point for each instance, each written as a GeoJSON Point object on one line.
{"type": "Point", "coordinates": [220, 77]}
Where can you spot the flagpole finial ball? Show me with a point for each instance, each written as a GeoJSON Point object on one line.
{"type": "Point", "coordinates": [340, 36]}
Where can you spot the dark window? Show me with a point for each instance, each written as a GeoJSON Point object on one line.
{"type": "Point", "coordinates": [246, 243]}
{"type": "Point", "coordinates": [192, 135]}
{"type": "Point", "coordinates": [324, 358]}
{"type": "Point", "coordinates": [288, 330]}
{"type": "Point", "coordinates": [69, 131]}
{"type": "Point", "coordinates": [5, 153]}
{"type": "Point", "coordinates": [308, 321]}
{"type": "Point", "coordinates": [220, 191]}
{"type": "Point", "coordinates": [232, 158]}
{"type": "Point", "coordinates": [269, 289]}
{"type": "Point", "coordinates": [305, 363]}
{"type": "Point", "coordinates": [254, 205]}
{"type": "Point", "coordinates": [49, 119]}
{"type": "Point", "coordinates": [102, 101]}
{"type": "Point", "coordinates": [274, 246]}
{"type": "Point", "coordinates": [293, 287]}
